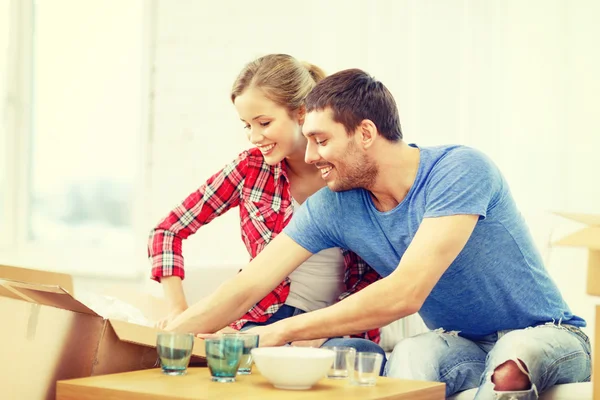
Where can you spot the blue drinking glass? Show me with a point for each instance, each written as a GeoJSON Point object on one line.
{"type": "Point", "coordinates": [223, 356]}
{"type": "Point", "coordinates": [250, 342]}
{"type": "Point", "coordinates": [175, 351]}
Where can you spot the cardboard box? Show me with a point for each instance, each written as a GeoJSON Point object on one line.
{"type": "Point", "coordinates": [33, 276]}
{"type": "Point", "coordinates": [46, 335]}
{"type": "Point", "coordinates": [596, 358]}
{"type": "Point", "coordinates": [588, 237]}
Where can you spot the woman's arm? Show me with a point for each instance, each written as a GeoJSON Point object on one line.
{"type": "Point", "coordinates": [358, 276]}
{"type": "Point", "coordinates": [219, 194]}
{"type": "Point", "coordinates": [176, 302]}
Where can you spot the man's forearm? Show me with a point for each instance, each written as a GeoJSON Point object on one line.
{"type": "Point", "coordinates": [373, 307]}
{"type": "Point", "coordinates": [209, 315]}
{"type": "Point", "coordinates": [235, 297]}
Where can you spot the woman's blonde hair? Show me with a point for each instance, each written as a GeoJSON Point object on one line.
{"type": "Point", "coordinates": [283, 79]}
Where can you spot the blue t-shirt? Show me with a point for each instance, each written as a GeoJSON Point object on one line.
{"type": "Point", "coordinates": [497, 282]}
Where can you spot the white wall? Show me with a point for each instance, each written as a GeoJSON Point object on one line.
{"type": "Point", "coordinates": [515, 79]}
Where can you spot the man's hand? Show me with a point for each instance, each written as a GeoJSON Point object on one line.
{"type": "Point", "coordinates": [227, 329]}
{"type": "Point", "coordinates": [309, 343]}
{"type": "Point", "coordinates": [269, 335]}
{"type": "Point", "coordinates": [174, 313]}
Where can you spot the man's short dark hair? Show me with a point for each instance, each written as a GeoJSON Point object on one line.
{"type": "Point", "coordinates": [353, 96]}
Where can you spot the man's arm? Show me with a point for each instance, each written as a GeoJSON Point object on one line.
{"type": "Point", "coordinates": [434, 247]}
{"type": "Point", "coordinates": [235, 297]}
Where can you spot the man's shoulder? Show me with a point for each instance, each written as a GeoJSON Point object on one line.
{"type": "Point", "coordinates": [459, 157]}
{"type": "Point", "coordinates": [456, 153]}
{"type": "Point", "coordinates": [326, 196]}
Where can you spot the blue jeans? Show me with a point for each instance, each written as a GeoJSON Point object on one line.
{"type": "Point", "coordinates": [551, 353]}
{"type": "Point", "coordinates": [361, 345]}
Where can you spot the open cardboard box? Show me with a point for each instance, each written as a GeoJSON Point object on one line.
{"type": "Point", "coordinates": [46, 335]}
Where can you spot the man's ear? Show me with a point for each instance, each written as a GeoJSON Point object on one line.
{"type": "Point", "coordinates": [367, 133]}
{"type": "Point", "coordinates": [301, 114]}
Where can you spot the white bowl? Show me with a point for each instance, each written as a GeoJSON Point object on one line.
{"type": "Point", "coordinates": [290, 367]}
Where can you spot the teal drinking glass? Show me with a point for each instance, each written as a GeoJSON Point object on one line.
{"type": "Point", "coordinates": [174, 350]}
{"type": "Point", "coordinates": [223, 356]}
{"type": "Point", "coordinates": [250, 342]}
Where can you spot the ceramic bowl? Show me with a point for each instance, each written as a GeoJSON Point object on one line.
{"type": "Point", "coordinates": [294, 368]}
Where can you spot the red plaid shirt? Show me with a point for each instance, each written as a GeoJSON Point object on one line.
{"type": "Point", "coordinates": [262, 194]}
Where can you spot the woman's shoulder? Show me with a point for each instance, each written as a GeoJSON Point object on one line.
{"type": "Point", "coordinates": [249, 158]}
{"type": "Point", "coordinates": [255, 160]}
{"type": "Point", "coordinates": [254, 157]}
{"type": "Point", "coordinates": [251, 164]}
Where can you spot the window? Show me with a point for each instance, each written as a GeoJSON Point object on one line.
{"type": "Point", "coordinates": [4, 35]}
{"type": "Point", "coordinates": [83, 153]}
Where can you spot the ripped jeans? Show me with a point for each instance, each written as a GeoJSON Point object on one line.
{"type": "Point", "coordinates": [552, 354]}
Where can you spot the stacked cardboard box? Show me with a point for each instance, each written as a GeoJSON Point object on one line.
{"type": "Point", "coordinates": [589, 237]}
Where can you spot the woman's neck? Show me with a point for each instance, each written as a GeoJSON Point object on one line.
{"type": "Point", "coordinates": [299, 168]}
{"type": "Point", "coordinates": [305, 179]}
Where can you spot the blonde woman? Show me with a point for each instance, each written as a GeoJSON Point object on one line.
{"type": "Point", "coordinates": [265, 184]}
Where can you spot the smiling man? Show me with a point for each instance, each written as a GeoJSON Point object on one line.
{"type": "Point", "coordinates": [440, 225]}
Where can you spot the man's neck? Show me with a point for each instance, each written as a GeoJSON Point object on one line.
{"type": "Point", "coordinates": [398, 167]}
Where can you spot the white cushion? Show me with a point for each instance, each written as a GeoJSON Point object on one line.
{"type": "Point", "coordinates": [570, 391]}
{"type": "Point", "coordinates": [392, 333]}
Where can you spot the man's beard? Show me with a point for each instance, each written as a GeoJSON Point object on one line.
{"type": "Point", "coordinates": [359, 173]}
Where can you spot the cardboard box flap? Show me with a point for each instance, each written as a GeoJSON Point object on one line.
{"type": "Point", "coordinates": [146, 336]}
{"type": "Point", "coordinates": [587, 237]}
{"type": "Point", "coordinates": [49, 295]}
{"type": "Point", "coordinates": [36, 276]}
{"type": "Point", "coordinates": [588, 219]}
{"type": "Point", "coordinates": [5, 292]}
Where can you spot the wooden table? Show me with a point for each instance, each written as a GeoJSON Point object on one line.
{"type": "Point", "coordinates": [153, 385]}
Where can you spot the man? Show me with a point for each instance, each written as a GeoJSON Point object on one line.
{"type": "Point", "coordinates": [440, 225]}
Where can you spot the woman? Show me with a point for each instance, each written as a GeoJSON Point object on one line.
{"type": "Point", "coordinates": [266, 183]}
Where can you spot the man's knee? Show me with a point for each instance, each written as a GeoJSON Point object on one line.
{"type": "Point", "coordinates": [509, 377]}
{"type": "Point", "coordinates": [399, 364]}
{"type": "Point", "coordinates": [421, 345]}
{"type": "Point", "coordinates": [417, 357]}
